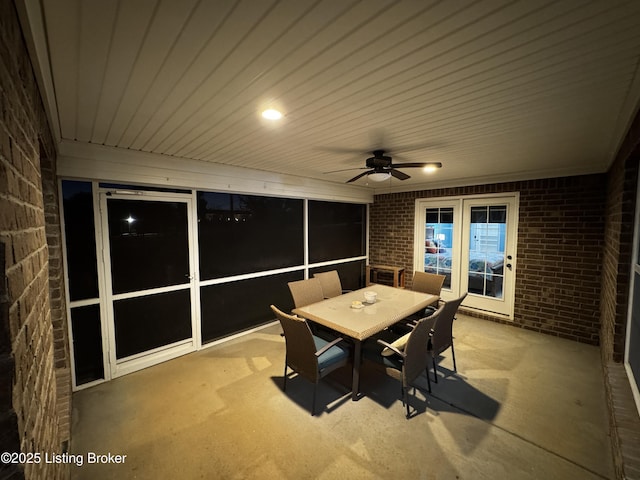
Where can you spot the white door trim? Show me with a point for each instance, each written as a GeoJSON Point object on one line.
{"type": "Point", "coordinates": [460, 256]}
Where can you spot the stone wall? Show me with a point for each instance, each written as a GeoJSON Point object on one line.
{"type": "Point", "coordinates": [33, 421]}
{"type": "Point", "coordinates": [559, 253]}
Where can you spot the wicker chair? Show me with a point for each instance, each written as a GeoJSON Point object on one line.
{"type": "Point", "coordinates": [308, 355]}
{"type": "Point", "coordinates": [428, 283]}
{"type": "Point", "coordinates": [306, 292]}
{"type": "Point", "coordinates": [331, 284]}
{"type": "Point", "coordinates": [407, 358]}
{"type": "Point", "coordinates": [442, 334]}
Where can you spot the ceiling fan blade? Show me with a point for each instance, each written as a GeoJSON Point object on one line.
{"type": "Point", "coordinates": [359, 176]}
{"type": "Point", "coordinates": [398, 174]}
{"type": "Point", "coordinates": [417, 165]}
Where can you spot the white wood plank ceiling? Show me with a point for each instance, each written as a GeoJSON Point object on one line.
{"type": "Point", "coordinates": [495, 90]}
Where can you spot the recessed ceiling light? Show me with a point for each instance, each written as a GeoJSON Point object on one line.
{"type": "Point", "coordinates": [272, 114]}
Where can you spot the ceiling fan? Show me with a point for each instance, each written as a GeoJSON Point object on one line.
{"type": "Point", "coordinates": [380, 167]}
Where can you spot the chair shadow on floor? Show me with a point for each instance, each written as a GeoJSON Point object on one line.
{"type": "Point", "coordinates": [333, 391]}
{"type": "Point", "coordinates": [452, 393]}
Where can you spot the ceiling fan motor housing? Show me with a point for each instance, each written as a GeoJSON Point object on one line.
{"type": "Point", "coordinates": [379, 160]}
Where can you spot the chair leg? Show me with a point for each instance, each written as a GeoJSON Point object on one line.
{"type": "Point", "coordinates": [428, 379]}
{"type": "Point", "coordinates": [284, 378]}
{"type": "Point", "coordinates": [453, 354]}
{"type": "Point", "coordinates": [435, 373]}
{"type": "Point", "coordinates": [405, 396]}
{"type": "Point", "coordinates": [313, 405]}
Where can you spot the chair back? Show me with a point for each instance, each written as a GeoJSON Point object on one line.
{"type": "Point", "coordinates": [416, 349]}
{"type": "Point", "coordinates": [430, 283]}
{"type": "Point", "coordinates": [442, 335]}
{"type": "Point", "coordinates": [306, 292]}
{"type": "Point", "coordinates": [330, 283]}
{"type": "Point", "coordinates": [300, 346]}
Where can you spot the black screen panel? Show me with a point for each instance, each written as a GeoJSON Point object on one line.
{"type": "Point", "coordinates": [149, 244]}
{"type": "Point", "coordinates": [336, 230]}
{"type": "Point", "coordinates": [80, 239]}
{"type": "Point", "coordinates": [87, 344]}
{"type": "Point", "coordinates": [241, 234]}
{"type": "Point", "coordinates": [151, 321]}
{"type": "Point", "coordinates": [235, 306]}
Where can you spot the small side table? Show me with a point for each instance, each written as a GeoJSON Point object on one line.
{"type": "Point", "coordinates": [398, 274]}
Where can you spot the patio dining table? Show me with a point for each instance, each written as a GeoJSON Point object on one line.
{"type": "Point", "coordinates": [337, 313]}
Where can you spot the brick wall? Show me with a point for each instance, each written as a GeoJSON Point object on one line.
{"type": "Point", "coordinates": [27, 351]}
{"type": "Point", "coordinates": [617, 258]}
{"type": "Point", "coordinates": [621, 201]}
{"type": "Point", "coordinates": [61, 353]}
{"type": "Point", "coordinates": [559, 252]}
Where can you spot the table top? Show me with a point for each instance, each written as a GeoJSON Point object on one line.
{"type": "Point", "coordinates": [392, 305]}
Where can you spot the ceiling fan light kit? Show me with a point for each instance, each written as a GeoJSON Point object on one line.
{"type": "Point", "coordinates": [380, 167]}
{"type": "Point", "coordinates": [379, 176]}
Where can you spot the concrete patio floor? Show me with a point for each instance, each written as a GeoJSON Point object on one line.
{"type": "Point", "coordinates": [522, 406]}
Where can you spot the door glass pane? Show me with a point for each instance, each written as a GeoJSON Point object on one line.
{"type": "Point", "coordinates": [248, 233]}
{"type": "Point", "coordinates": [80, 240]}
{"type": "Point", "coordinates": [439, 242]}
{"type": "Point", "coordinates": [151, 321]}
{"type": "Point", "coordinates": [149, 244]}
{"type": "Point", "coordinates": [487, 250]}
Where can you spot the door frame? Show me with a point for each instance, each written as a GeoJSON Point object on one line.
{"type": "Point", "coordinates": [634, 272]}
{"type": "Point", "coordinates": [113, 367]}
{"type": "Point", "coordinates": [481, 302]}
{"type": "Point", "coordinates": [458, 250]}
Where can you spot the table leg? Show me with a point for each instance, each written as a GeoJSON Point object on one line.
{"type": "Point", "coordinates": [357, 360]}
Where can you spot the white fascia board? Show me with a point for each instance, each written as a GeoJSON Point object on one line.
{"type": "Point", "coordinates": [492, 179]}
{"type": "Point", "coordinates": [32, 23]}
{"type": "Point", "coordinates": [111, 164]}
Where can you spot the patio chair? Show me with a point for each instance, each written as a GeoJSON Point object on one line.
{"type": "Point", "coordinates": [424, 282]}
{"type": "Point", "coordinates": [331, 284]}
{"type": "Point", "coordinates": [308, 355]}
{"type": "Point", "coordinates": [442, 334]}
{"type": "Point", "coordinates": [407, 358]}
{"type": "Point", "coordinates": [428, 283]}
{"type": "Point", "coordinates": [306, 292]}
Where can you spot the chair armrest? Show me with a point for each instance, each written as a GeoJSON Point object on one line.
{"type": "Point", "coordinates": [328, 346]}
{"type": "Point", "coordinates": [391, 347]}
{"type": "Point", "coordinates": [430, 322]}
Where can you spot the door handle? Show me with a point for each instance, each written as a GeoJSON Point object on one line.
{"type": "Point", "coordinates": [190, 277]}
{"type": "Point", "coordinates": [509, 266]}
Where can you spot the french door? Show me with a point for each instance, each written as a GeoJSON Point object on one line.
{"type": "Point", "coordinates": [150, 304]}
{"type": "Point", "coordinates": [472, 241]}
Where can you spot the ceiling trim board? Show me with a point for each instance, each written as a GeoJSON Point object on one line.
{"type": "Point", "coordinates": [97, 162]}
